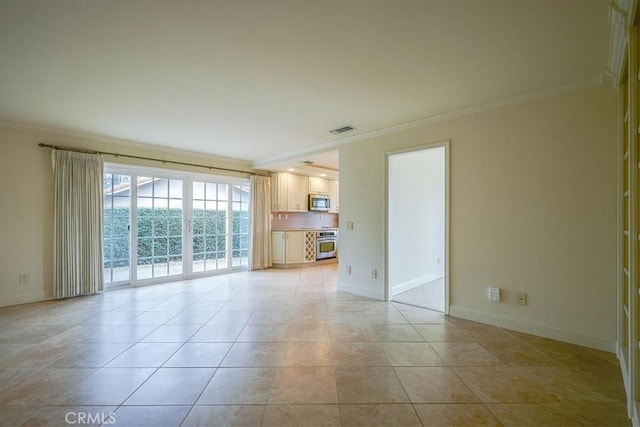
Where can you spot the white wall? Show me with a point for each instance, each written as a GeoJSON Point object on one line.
{"type": "Point", "coordinates": [533, 209]}
{"type": "Point", "coordinates": [26, 201]}
{"type": "Point", "coordinates": [416, 218]}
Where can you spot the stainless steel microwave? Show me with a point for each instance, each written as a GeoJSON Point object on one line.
{"type": "Point", "coordinates": [319, 202]}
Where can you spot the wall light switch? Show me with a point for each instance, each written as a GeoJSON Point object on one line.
{"type": "Point", "coordinates": [494, 294]}
{"type": "Point", "coordinates": [349, 225]}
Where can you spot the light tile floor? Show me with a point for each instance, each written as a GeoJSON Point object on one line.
{"type": "Point", "coordinates": [284, 348]}
{"type": "Point", "coordinates": [430, 295]}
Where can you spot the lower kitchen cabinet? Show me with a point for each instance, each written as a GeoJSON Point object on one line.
{"type": "Point", "coordinates": [292, 247]}
{"type": "Point", "coordinates": [278, 247]}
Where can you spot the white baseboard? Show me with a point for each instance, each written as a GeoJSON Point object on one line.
{"type": "Point", "coordinates": [23, 299]}
{"type": "Point", "coordinates": [534, 328]}
{"type": "Point", "coordinates": [402, 287]}
{"type": "Point", "coordinates": [364, 292]}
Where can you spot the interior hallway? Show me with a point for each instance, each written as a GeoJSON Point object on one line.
{"type": "Point", "coordinates": [283, 347]}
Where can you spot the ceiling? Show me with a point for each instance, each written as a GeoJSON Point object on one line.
{"type": "Point", "coordinates": [265, 81]}
{"type": "Point", "coordinates": [324, 164]}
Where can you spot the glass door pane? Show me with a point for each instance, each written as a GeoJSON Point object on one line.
{"type": "Point", "coordinates": [209, 227]}
{"type": "Point", "coordinates": [240, 226]}
{"type": "Point", "coordinates": [159, 224]}
{"type": "Point", "coordinates": [116, 243]}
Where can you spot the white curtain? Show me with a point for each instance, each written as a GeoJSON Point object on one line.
{"type": "Point", "coordinates": [260, 234]}
{"type": "Point", "coordinates": [77, 254]}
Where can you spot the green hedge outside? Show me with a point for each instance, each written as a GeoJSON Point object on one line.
{"type": "Point", "coordinates": [209, 235]}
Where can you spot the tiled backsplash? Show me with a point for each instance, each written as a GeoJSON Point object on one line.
{"type": "Point", "coordinates": [303, 220]}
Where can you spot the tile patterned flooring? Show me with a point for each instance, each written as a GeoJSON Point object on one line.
{"type": "Point", "coordinates": [430, 295]}
{"type": "Point", "coordinates": [284, 348]}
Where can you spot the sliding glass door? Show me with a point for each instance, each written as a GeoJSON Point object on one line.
{"type": "Point", "coordinates": [240, 226]}
{"type": "Point", "coordinates": [179, 225]}
{"type": "Point", "coordinates": [159, 214]}
{"type": "Point", "coordinates": [220, 226]}
{"type": "Point", "coordinates": [116, 221]}
{"type": "Point", "coordinates": [209, 227]}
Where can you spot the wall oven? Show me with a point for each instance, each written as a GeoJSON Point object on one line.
{"type": "Point", "coordinates": [326, 244]}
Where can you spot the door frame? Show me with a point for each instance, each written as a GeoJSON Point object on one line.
{"type": "Point", "coordinates": [447, 270]}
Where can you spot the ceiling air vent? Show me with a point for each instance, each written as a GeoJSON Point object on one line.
{"type": "Point", "coordinates": [341, 130]}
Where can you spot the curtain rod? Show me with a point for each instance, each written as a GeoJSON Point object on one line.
{"type": "Point", "coordinates": [84, 150]}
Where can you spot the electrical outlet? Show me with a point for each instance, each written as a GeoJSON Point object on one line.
{"type": "Point", "coordinates": [348, 269]}
{"type": "Point", "coordinates": [286, 216]}
{"type": "Point", "coordinates": [374, 273]}
{"type": "Point", "coordinates": [522, 298]}
{"type": "Point", "coordinates": [279, 216]}
{"type": "Point", "coordinates": [494, 294]}
{"type": "Point", "coordinates": [438, 260]}
{"type": "Point", "coordinates": [24, 278]}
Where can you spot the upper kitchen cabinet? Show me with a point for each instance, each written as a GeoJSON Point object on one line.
{"type": "Point", "coordinates": [334, 196]}
{"type": "Point", "coordinates": [279, 186]}
{"type": "Point", "coordinates": [298, 193]}
{"type": "Point", "coordinates": [318, 185]}
{"type": "Point", "coordinates": [289, 192]}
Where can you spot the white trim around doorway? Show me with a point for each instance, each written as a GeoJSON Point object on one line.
{"type": "Point", "coordinates": [447, 269]}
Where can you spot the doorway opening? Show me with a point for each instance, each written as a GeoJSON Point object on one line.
{"type": "Point", "coordinates": [417, 227]}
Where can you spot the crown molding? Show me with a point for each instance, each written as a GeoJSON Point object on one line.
{"type": "Point", "coordinates": [454, 114]}
{"type": "Point", "coordinates": [95, 141]}
{"type": "Point", "coordinates": [621, 13]}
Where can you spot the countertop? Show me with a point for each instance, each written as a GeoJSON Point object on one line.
{"type": "Point", "coordinates": [307, 229]}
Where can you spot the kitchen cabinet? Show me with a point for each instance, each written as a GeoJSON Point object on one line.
{"type": "Point", "coordinates": [334, 196]}
{"type": "Point", "coordinates": [298, 193]}
{"type": "Point", "coordinates": [292, 247]}
{"type": "Point", "coordinates": [318, 185]}
{"type": "Point", "coordinates": [279, 186]}
{"type": "Point", "coordinates": [278, 246]}
{"type": "Point", "coordinates": [289, 192]}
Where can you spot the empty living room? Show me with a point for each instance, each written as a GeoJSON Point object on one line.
{"type": "Point", "coordinates": [320, 213]}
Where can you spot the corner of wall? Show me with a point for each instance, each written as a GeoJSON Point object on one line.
{"type": "Point", "coordinates": [361, 291]}
{"type": "Point", "coordinates": [535, 328]}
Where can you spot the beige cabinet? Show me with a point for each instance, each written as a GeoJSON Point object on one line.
{"type": "Point", "coordinates": [278, 249]}
{"type": "Point", "coordinates": [334, 196]}
{"type": "Point", "coordinates": [298, 193]}
{"type": "Point", "coordinates": [292, 247]}
{"type": "Point", "coordinates": [289, 192]}
{"type": "Point", "coordinates": [279, 187]}
{"type": "Point", "coordinates": [318, 185]}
